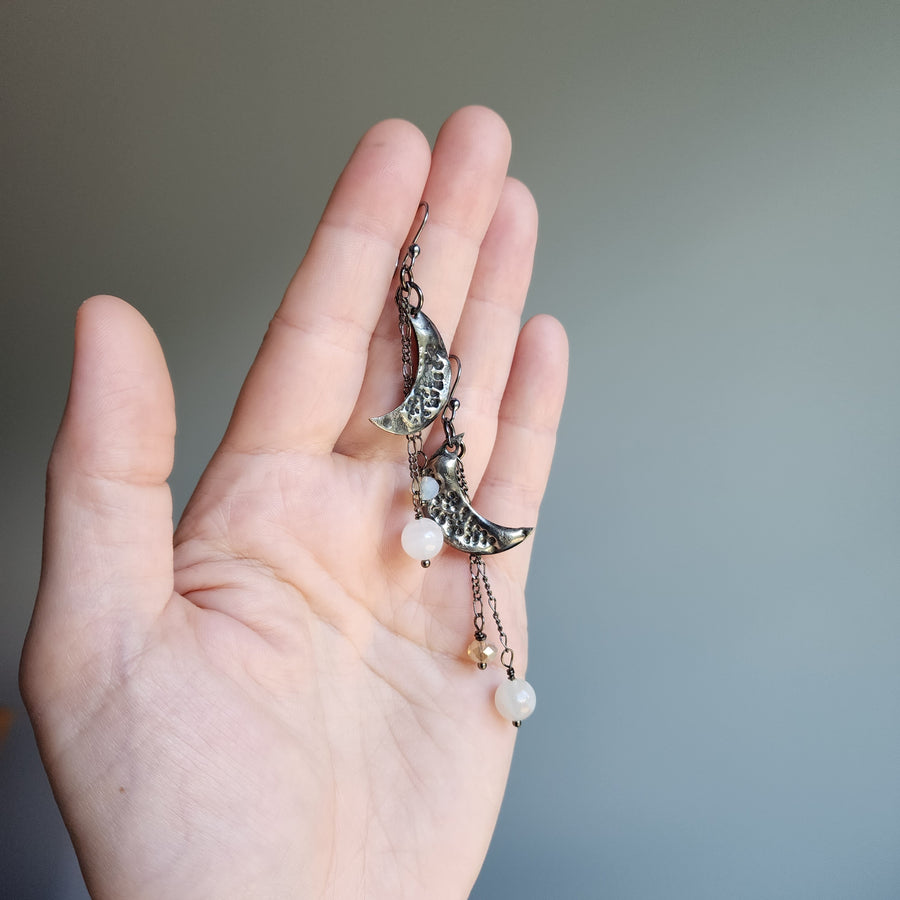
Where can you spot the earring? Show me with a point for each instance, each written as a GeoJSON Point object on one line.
{"type": "Point", "coordinates": [443, 512]}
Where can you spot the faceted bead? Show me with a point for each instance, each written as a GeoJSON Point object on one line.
{"type": "Point", "coordinates": [428, 487]}
{"type": "Point", "coordinates": [422, 539]}
{"type": "Point", "coordinates": [482, 652]}
{"type": "Point", "coordinates": [515, 700]}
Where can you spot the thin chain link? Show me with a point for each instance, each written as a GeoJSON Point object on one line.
{"type": "Point", "coordinates": [477, 599]}
{"type": "Point", "coordinates": [415, 453]}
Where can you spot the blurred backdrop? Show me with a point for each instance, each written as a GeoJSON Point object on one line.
{"type": "Point", "coordinates": [715, 594]}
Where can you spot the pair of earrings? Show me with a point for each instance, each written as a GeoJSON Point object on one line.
{"type": "Point", "coordinates": [441, 504]}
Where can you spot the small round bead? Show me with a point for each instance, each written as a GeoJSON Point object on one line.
{"type": "Point", "coordinates": [428, 487]}
{"type": "Point", "coordinates": [515, 700]}
{"type": "Point", "coordinates": [481, 652]}
{"type": "Point", "coordinates": [422, 539]}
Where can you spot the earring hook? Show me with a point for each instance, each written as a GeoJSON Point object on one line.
{"type": "Point", "coordinates": [458, 361]}
{"type": "Point", "coordinates": [415, 240]}
{"type": "Point", "coordinates": [414, 247]}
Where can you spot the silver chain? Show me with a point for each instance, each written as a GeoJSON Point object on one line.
{"type": "Point", "coordinates": [479, 578]}
{"type": "Point", "coordinates": [416, 455]}
{"type": "Point", "coordinates": [477, 600]}
{"type": "Point", "coordinates": [405, 311]}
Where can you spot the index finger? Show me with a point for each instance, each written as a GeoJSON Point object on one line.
{"type": "Point", "coordinates": [306, 376]}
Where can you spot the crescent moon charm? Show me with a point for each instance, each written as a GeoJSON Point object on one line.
{"type": "Point", "coordinates": [464, 528]}
{"type": "Point", "coordinates": [431, 387]}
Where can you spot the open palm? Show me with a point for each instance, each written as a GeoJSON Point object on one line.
{"type": "Point", "coordinates": [277, 702]}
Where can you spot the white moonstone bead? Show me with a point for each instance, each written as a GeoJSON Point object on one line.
{"type": "Point", "coordinates": [422, 539]}
{"type": "Point", "coordinates": [515, 700]}
{"type": "Point", "coordinates": [428, 487]}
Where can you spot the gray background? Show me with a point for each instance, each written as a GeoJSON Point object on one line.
{"type": "Point", "coordinates": [715, 597]}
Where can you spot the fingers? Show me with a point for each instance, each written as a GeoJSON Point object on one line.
{"type": "Point", "coordinates": [306, 377]}
{"type": "Point", "coordinates": [516, 476]}
{"type": "Point", "coordinates": [108, 527]}
{"type": "Point", "coordinates": [486, 337]}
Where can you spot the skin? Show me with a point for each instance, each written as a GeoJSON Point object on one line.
{"type": "Point", "coordinates": [274, 701]}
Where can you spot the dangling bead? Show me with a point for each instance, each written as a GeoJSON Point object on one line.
{"type": "Point", "coordinates": [428, 487]}
{"type": "Point", "coordinates": [515, 700]}
{"type": "Point", "coordinates": [482, 652]}
{"type": "Point", "coordinates": [422, 539]}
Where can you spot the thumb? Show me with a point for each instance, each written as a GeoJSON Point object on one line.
{"type": "Point", "coordinates": [107, 566]}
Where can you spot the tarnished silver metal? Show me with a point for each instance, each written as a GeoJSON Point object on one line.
{"type": "Point", "coordinates": [415, 455]}
{"type": "Point", "coordinates": [428, 388]}
{"type": "Point", "coordinates": [427, 395]}
{"type": "Point", "coordinates": [463, 527]}
{"type": "Point", "coordinates": [414, 246]}
{"type": "Point", "coordinates": [477, 599]}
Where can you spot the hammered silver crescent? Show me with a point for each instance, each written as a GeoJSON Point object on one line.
{"type": "Point", "coordinates": [431, 387]}
{"type": "Point", "coordinates": [464, 528]}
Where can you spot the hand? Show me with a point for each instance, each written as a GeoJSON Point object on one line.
{"type": "Point", "coordinates": [276, 702]}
